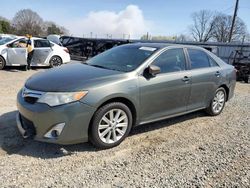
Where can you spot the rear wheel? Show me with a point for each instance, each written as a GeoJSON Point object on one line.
{"type": "Point", "coordinates": [110, 126]}
{"type": "Point", "coordinates": [55, 61]}
{"type": "Point", "coordinates": [218, 102]}
{"type": "Point", "coordinates": [2, 63]}
{"type": "Point", "coordinates": [247, 79]}
{"type": "Point", "coordinates": [25, 67]}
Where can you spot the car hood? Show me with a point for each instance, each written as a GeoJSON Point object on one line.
{"type": "Point", "coordinates": [71, 77]}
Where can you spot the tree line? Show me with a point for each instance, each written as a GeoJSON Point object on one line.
{"type": "Point", "coordinates": [209, 26]}
{"type": "Point", "coordinates": [27, 21]}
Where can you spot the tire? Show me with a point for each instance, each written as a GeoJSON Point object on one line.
{"type": "Point", "coordinates": [2, 63]}
{"type": "Point", "coordinates": [55, 61]}
{"type": "Point", "coordinates": [25, 67]}
{"type": "Point", "coordinates": [218, 102]}
{"type": "Point", "coordinates": [107, 132]}
{"type": "Point", "coordinates": [247, 79]}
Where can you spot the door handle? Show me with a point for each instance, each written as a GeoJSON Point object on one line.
{"type": "Point", "coordinates": [185, 79]}
{"type": "Point", "coordinates": [217, 74]}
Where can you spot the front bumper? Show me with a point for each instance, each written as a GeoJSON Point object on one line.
{"type": "Point", "coordinates": [35, 120]}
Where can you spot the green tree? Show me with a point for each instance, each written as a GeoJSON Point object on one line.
{"type": "Point", "coordinates": [5, 26]}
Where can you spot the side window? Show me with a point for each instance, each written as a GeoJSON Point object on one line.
{"type": "Point", "coordinates": [52, 44]}
{"type": "Point", "coordinates": [172, 60]}
{"type": "Point", "coordinates": [212, 62]}
{"type": "Point", "coordinates": [198, 58]}
{"type": "Point", "coordinates": [41, 43]}
{"type": "Point", "coordinates": [21, 43]}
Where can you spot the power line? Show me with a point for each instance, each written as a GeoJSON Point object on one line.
{"type": "Point", "coordinates": [227, 9]}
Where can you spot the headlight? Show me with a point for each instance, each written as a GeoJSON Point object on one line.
{"type": "Point", "coordinates": [59, 98]}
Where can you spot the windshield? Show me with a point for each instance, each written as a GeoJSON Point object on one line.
{"type": "Point", "coordinates": [123, 58]}
{"type": "Point", "coordinates": [4, 40]}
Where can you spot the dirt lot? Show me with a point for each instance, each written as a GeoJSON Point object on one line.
{"type": "Point", "coordinates": [188, 151]}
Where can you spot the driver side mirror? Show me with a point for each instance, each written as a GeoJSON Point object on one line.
{"type": "Point", "coordinates": [9, 45]}
{"type": "Point", "coordinates": [154, 70]}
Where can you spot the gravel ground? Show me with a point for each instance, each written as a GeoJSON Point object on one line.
{"type": "Point", "coordinates": [194, 150]}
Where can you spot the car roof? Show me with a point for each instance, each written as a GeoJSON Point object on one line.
{"type": "Point", "coordinates": [161, 45]}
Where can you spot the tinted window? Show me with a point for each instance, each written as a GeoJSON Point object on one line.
{"type": "Point", "coordinates": [172, 60]}
{"type": "Point", "coordinates": [41, 43]}
{"type": "Point", "coordinates": [198, 59]}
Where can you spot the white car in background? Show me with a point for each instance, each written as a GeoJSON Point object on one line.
{"type": "Point", "coordinates": [46, 53]}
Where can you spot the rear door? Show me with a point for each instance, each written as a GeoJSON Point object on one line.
{"type": "Point", "coordinates": [205, 74]}
{"type": "Point", "coordinates": [17, 52]}
{"type": "Point", "coordinates": [167, 93]}
{"type": "Point", "coordinates": [42, 50]}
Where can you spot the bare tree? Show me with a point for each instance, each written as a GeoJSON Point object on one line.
{"type": "Point", "coordinates": [182, 38]}
{"type": "Point", "coordinates": [202, 27]}
{"type": "Point", "coordinates": [27, 21]}
{"type": "Point", "coordinates": [222, 25]}
{"type": "Point", "coordinates": [64, 30]}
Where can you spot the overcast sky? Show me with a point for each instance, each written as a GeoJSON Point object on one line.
{"type": "Point", "coordinates": [123, 17]}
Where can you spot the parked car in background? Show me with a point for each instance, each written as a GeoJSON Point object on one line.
{"type": "Point", "coordinates": [4, 38]}
{"type": "Point", "coordinates": [46, 53]}
{"type": "Point", "coordinates": [120, 88]}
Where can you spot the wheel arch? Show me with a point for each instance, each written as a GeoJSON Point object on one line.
{"type": "Point", "coordinates": [226, 89]}
{"type": "Point", "coordinates": [123, 100]}
{"type": "Point", "coordinates": [5, 62]}
{"type": "Point", "coordinates": [55, 55]}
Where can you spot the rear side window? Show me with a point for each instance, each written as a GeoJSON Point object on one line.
{"type": "Point", "coordinates": [41, 43]}
{"type": "Point", "coordinates": [172, 60]}
{"type": "Point", "coordinates": [212, 62]}
{"type": "Point", "coordinates": [198, 58]}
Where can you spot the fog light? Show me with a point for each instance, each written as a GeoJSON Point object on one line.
{"type": "Point", "coordinates": [55, 131]}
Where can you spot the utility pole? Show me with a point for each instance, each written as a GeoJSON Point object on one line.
{"type": "Point", "coordinates": [233, 22]}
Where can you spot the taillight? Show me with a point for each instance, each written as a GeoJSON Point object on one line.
{"type": "Point", "coordinates": [66, 50]}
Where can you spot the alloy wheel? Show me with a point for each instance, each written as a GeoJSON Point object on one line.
{"type": "Point", "coordinates": [56, 61]}
{"type": "Point", "coordinates": [2, 63]}
{"type": "Point", "coordinates": [113, 126]}
{"type": "Point", "coordinates": [218, 101]}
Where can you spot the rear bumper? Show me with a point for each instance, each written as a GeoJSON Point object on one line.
{"type": "Point", "coordinates": [35, 120]}
{"type": "Point", "coordinates": [66, 58]}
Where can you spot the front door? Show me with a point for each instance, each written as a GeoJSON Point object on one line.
{"type": "Point", "coordinates": [17, 53]}
{"type": "Point", "coordinates": [167, 93]}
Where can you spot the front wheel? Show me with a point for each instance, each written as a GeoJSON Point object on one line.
{"type": "Point", "coordinates": [218, 102]}
{"type": "Point", "coordinates": [110, 126]}
{"type": "Point", "coordinates": [55, 61]}
{"type": "Point", "coordinates": [2, 63]}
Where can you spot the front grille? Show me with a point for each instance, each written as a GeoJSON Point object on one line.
{"type": "Point", "coordinates": [28, 126]}
{"type": "Point", "coordinates": [31, 96]}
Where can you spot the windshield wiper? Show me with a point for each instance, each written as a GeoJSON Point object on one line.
{"type": "Point", "coordinates": [99, 66]}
